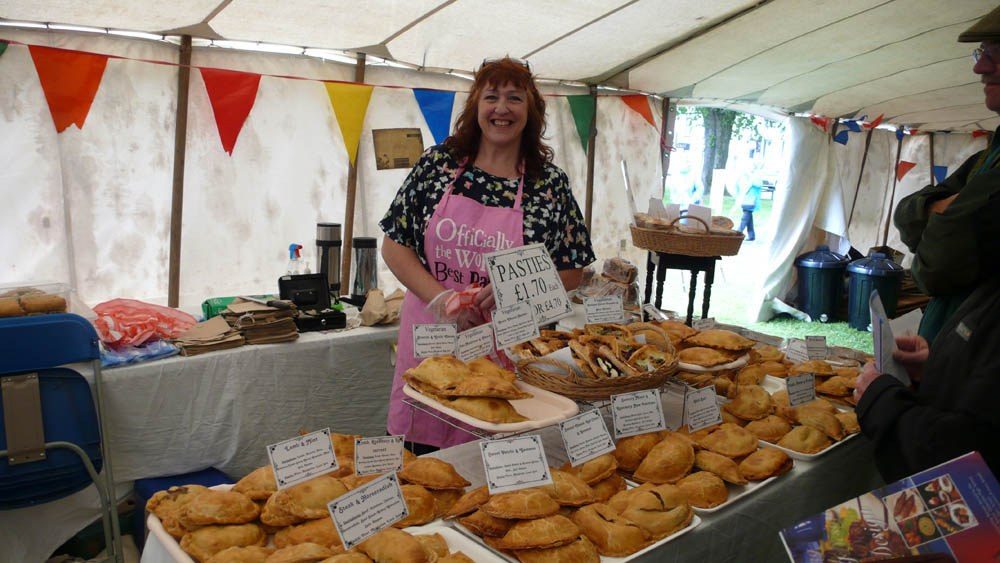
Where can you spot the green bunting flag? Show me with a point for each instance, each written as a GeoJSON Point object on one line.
{"type": "Point", "coordinates": [583, 107]}
{"type": "Point", "coordinates": [3, 47]}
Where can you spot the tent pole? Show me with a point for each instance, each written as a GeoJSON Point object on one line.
{"type": "Point", "coordinates": [352, 192]}
{"type": "Point", "coordinates": [180, 151]}
{"type": "Point", "coordinates": [591, 142]}
{"type": "Point", "coordinates": [666, 140]}
{"type": "Point", "coordinates": [864, 159]}
{"type": "Point", "coordinates": [931, 135]}
{"type": "Point", "coordinates": [892, 195]}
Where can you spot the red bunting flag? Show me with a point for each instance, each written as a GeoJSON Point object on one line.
{"type": "Point", "coordinates": [640, 104]}
{"type": "Point", "coordinates": [232, 95]}
{"type": "Point", "coordinates": [70, 80]}
{"type": "Point", "coordinates": [821, 122]}
{"type": "Point", "coordinates": [979, 133]}
{"type": "Point", "coordinates": [903, 167]}
{"type": "Point", "coordinates": [875, 122]}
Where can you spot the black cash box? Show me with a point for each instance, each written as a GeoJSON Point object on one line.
{"type": "Point", "coordinates": [311, 296]}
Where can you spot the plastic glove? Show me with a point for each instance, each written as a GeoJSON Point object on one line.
{"type": "Point", "coordinates": [439, 307]}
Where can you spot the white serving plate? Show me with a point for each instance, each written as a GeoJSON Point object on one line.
{"type": "Point", "coordinates": [545, 408]}
{"type": "Point", "coordinates": [456, 541]}
{"type": "Point", "coordinates": [737, 363]}
{"type": "Point", "coordinates": [772, 384]}
{"type": "Point", "coordinates": [736, 493]}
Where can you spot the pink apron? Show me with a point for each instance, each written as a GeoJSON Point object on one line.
{"type": "Point", "coordinates": [458, 234]}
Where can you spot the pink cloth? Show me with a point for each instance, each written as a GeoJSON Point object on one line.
{"type": "Point", "coordinates": [458, 234]}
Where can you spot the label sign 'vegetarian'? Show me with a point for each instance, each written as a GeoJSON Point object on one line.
{"type": "Point", "coordinates": [514, 324]}
{"type": "Point", "coordinates": [431, 340]}
{"type": "Point", "coordinates": [474, 343]}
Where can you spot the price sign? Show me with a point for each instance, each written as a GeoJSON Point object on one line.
{"type": "Point", "coordinates": [515, 463]}
{"type": "Point", "coordinates": [301, 458]}
{"type": "Point", "coordinates": [433, 340]}
{"type": "Point", "coordinates": [367, 510]}
{"type": "Point", "coordinates": [374, 456]}
{"type": "Point", "coordinates": [703, 324]}
{"type": "Point", "coordinates": [816, 347]}
{"type": "Point", "coordinates": [638, 412]}
{"type": "Point", "coordinates": [801, 388]}
{"type": "Point", "coordinates": [514, 324]}
{"type": "Point", "coordinates": [604, 309]}
{"type": "Point", "coordinates": [701, 409]}
{"type": "Point", "coordinates": [585, 437]}
{"type": "Point", "coordinates": [475, 342]}
{"type": "Point", "coordinates": [526, 274]}
{"type": "Point", "coordinates": [796, 351]}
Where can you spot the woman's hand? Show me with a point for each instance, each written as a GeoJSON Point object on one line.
{"type": "Point", "coordinates": [484, 300]}
{"type": "Point", "coordinates": [865, 378]}
{"type": "Point", "coordinates": [911, 353]}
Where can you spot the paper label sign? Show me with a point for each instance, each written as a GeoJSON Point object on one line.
{"type": "Point", "coordinates": [816, 347]}
{"type": "Point", "coordinates": [474, 343]}
{"type": "Point", "coordinates": [884, 342]}
{"type": "Point", "coordinates": [433, 340]}
{"type": "Point", "coordinates": [585, 437]}
{"type": "Point", "coordinates": [604, 309]}
{"type": "Point", "coordinates": [515, 463]}
{"type": "Point", "coordinates": [514, 324]}
{"type": "Point", "coordinates": [703, 324]}
{"type": "Point", "coordinates": [638, 412]}
{"type": "Point", "coordinates": [374, 456]}
{"type": "Point", "coordinates": [301, 458]}
{"type": "Point", "coordinates": [701, 409]}
{"type": "Point", "coordinates": [801, 388]}
{"type": "Point", "coordinates": [672, 398]}
{"type": "Point", "coordinates": [367, 510]}
{"type": "Point", "coordinates": [526, 274]}
{"type": "Point", "coordinates": [796, 351]}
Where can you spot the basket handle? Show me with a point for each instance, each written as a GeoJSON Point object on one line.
{"type": "Point", "coordinates": [567, 370]}
{"type": "Point", "coordinates": [703, 223]}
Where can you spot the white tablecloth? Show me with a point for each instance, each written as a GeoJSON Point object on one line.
{"type": "Point", "coordinates": [219, 410]}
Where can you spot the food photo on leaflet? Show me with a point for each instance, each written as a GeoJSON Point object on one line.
{"type": "Point", "coordinates": [488, 187]}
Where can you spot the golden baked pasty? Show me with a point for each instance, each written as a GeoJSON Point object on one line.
{"type": "Point", "coordinates": [319, 531]}
{"type": "Point", "coordinates": [433, 543]}
{"type": "Point", "coordinates": [343, 445]}
{"type": "Point", "coordinates": [765, 353]}
{"type": "Point", "coordinates": [621, 500]}
{"type": "Point", "coordinates": [607, 488]}
{"type": "Point", "coordinates": [354, 481]}
{"type": "Point", "coordinates": [661, 511]}
{"type": "Point", "coordinates": [765, 463]}
{"type": "Point", "coordinates": [720, 465]}
{"type": "Point", "coordinates": [420, 504]}
{"type": "Point", "coordinates": [775, 369]}
{"type": "Point", "coordinates": [751, 374]}
{"type": "Point", "coordinates": [836, 386]}
{"type": "Point", "coordinates": [677, 330]}
{"type": "Point", "coordinates": [259, 484]}
{"type": "Point", "coordinates": [433, 473]}
{"type": "Point", "coordinates": [469, 502]}
{"type": "Point", "coordinates": [248, 554]}
{"type": "Point", "coordinates": [731, 419]}
{"type": "Point", "coordinates": [392, 545]}
{"type": "Point", "coordinates": [308, 500]}
{"type": "Point", "coordinates": [849, 421]}
{"type": "Point", "coordinates": [612, 534]}
{"type": "Point", "coordinates": [780, 399]}
{"type": "Point", "coordinates": [703, 489]}
{"type": "Point", "coordinates": [541, 533]}
{"type": "Point", "coordinates": [723, 385]}
{"type": "Point", "coordinates": [273, 515]}
{"type": "Point", "coordinates": [438, 372]}
{"type": "Point", "coordinates": [484, 366]}
{"type": "Point", "coordinates": [568, 490]}
{"type": "Point", "coordinates": [484, 525]}
{"type": "Point", "coordinates": [653, 334]}
{"type": "Point", "coordinates": [650, 358]}
{"type": "Point", "coordinates": [817, 418]}
{"type": "Point", "coordinates": [848, 372]}
{"type": "Point", "coordinates": [497, 411]}
{"type": "Point", "coordinates": [818, 367]}
{"type": "Point", "coordinates": [752, 402]}
{"type": "Point", "coordinates": [696, 379]}
{"type": "Point", "coordinates": [457, 557]}
{"type": "Point", "coordinates": [720, 339]}
{"type": "Point", "coordinates": [579, 551]}
{"type": "Point", "coordinates": [597, 469]}
{"type": "Point", "coordinates": [218, 507]}
{"type": "Point", "coordinates": [301, 553]}
{"type": "Point", "coordinates": [730, 440]}
{"type": "Point", "coordinates": [203, 543]}
{"type": "Point", "coordinates": [805, 439]}
{"type": "Point", "coordinates": [349, 557]}
{"type": "Point", "coordinates": [667, 462]}
{"type": "Point", "coordinates": [770, 429]}
{"type": "Point", "coordinates": [521, 505]}
{"type": "Point", "coordinates": [607, 329]}
{"type": "Point", "coordinates": [444, 500]}
{"type": "Point", "coordinates": [705, 357]}
{"type": "Point", "coordinates": [168, 506]}
{"type": "Point", "coordinates": [631, 450]}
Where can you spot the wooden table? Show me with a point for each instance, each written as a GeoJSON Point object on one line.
{"type": "Point", "coordinates": [693, 264]}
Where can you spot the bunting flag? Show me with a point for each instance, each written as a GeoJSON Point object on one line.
{"type": "Point", "coordinates": [436, 105]}
{"type": "Point", "coordinates": [841, 137]}
{"type": "Point", "coordinates": [821, 122]}
{"type": "Point", "coordinates": [899, 134]}
{"type": "Point", "coordinates": [640, 104]}
{"type": "Point", "coordinates": [70, 80]}
{"type": "Point", "coordinates": [903, 167]}
{"type": "Point", "coordinates": [979, 133]}
{"type": "Point", "coordinates": [876, 122]}
{"type": "Point", "coordinates": [582, 108]}
{"type": "Point", "coordinates": [350, 103]}
{"type": "Point", "coordinates": [940, 173]}
{"type": "Point", "coordinates": [3, 47]}
{"type": "Point", "coordinates": [232, 95]}
{"type": "Point", "coordinates": [853, 126]}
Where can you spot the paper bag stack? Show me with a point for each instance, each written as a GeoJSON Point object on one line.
{"type": "Point", "coordinates": [213, 334]}
{"type": "Point", "coordinates": [261, 324]}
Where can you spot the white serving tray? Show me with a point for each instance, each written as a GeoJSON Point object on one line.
{"type": "Point", "coordinates": [545, 408]}
{"type": "Point", "coordinates": [456, 541]}
{"type": "Point", "coordinates": [737, 363]}
{"type": "Point", "coordinates": [773, 384]}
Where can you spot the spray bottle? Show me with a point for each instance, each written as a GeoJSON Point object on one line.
{"type": "Point", "coordinates": [295, 263]}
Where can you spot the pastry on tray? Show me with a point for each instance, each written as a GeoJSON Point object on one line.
{"type": "Point", "coordinates": [720, 340]}
{"type": "Point", "coordinates": [660, 511]}
{"type": "Point", "coordinates": [607, 329]}
{"type": "Point", "coordinates": [670, 460]}
{"type": "Point", "coordinates": [300, 553]}
{"type": "Point", "coordinates": [524, 504]}
{"type": "Point", "coordinates": [497, 411]}
{"type": "Point", "coordinates": [259, 484]}
{"type": "Point", "coordinates": [720, 465]}
{"type": "Point", "coordinates": [806, 440]}
{"type": "Point", "coordinates": [650, 358]}
{"type": "Point", "coordinates": [203, 543]}
{"type": "Point", "coordinates": [392, 544]}
{"type": "Point", "coordinates": [595, 470]}
{"type": "Point", "coordinates": [730, 440]}
{"type": "Point", "coordinates": [817, 418]}
{"type": "Point", "coordinates": [320, 531]}
{"type": "Point", "coordinates": [613, 534]}
{"type": "Point", "coordinates": [569, 490]}
{"type": "Point", "coordinates": [485, 525]}
{"type": "Point", "coordinates": [433, 473]}
{"type": "Point", "coordinates": [218, 507]}
{"type": "Point", "coordinates": [308, 500]}
{"type": "Point", "coordinates": [579, 551]}
{"type": "Point", "coordinates": [770, 429]}
{"type": "Point", "coordinates": [751, 402]}
{"type": "Point", "coordinates": [168, 506]}
{"type": "Point", "coordinates": [248, 554]}
{"type": "Point", "coordinates": [818, 367]}
{"type": "Point", "coordinates": [540, 533]}
{"type": "Point", "coordinates": [705, 357]}
{"type": "Point", "coordinates": [631, 450]}
{"type": "Point", "coordinates": [703, 489]}
{"type": "Point", "coordinates": [607, 488]}
{"type": "Point", "coordinates": [765, 463]}
{"type": "Point", "coordinates": [420, 505]}
{"type": "Point", "coordinates": [469, 502]}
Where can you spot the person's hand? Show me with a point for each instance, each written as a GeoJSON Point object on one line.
{"type": "Point", "coordinates": [911, 353]}
{"type": "Point", "coordinates": [865, 378]}
{"type": "Point", "coordinates": [941, 205]}
{"type": "Point", "coordinates": [484, 299]}
{"type": "Point", "coordinates": [469, 317]}
{"type": "Point", "coordinates": [439, 307]}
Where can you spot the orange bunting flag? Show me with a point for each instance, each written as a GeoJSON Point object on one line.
{"type": "Point", "coordinates": [903, 167]}
{"type": "Point", "coordinates": [70, 80]}
{"type": "Point", "coordinates": [821, 122]}
{"type": "Point", "coordinates": [875, 122]}
{"type": "Point", "coordinates": [640, 104]}
{"type": "Point", "coordinates": [232, 95]}
{"type": "Point", "coordinates": [350, 103]}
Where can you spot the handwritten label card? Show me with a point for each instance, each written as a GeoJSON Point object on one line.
{"type": "Point", "coordinates": [301, 458]}
{"type": "Point", "coordinates": [816, 347]}
{"type": "Point", "coordinates": [703, 324]}
{"type": "Point", "coordinates": [515, 463]}
{"type": "Point", "coordinates": [373, 456]}
{"type": "Point", "coordinates": [367, 510]}
{"type": "Point", "coordinates": [474, 343]}
{"type": "Point", "coordinates": [514, 324]}
{"type": "Point", "coordinates": [673, 404]}
{"type": "Point", "coordinates": [585, 437]}
{"type": "Point", "coordinates": [801, 388]}
{"type": "Point", "coordinates": [526, 274]}
{"type": "Point", "coordinates": [796, 351]}
{"type": "Point", "coordinates": [701, 408]}
{"type": "Point", "coordinates": [433, 340]}
{"type": "Point", "coordinates": [638, 412]}
{"type": "Point", "coordinates": [604, 309]}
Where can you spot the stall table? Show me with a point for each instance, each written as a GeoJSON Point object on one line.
{"type": "Point", "coordinates": [694, 264]}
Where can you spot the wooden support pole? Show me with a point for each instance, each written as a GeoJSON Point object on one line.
{"type": "Point", "coordinates": [591, 142]}
{"type": "Point", "coordinates": [892, 194]}
{"type": "Point", "coordinates": [861, 172]}
{"type": "Point", "coordinates": [180, 151]}
{"type": "Point", "coordinates": [666, 140]}
{"type": "Point", "coordinates": [931, 135]}
{"type": "Point", "coordinates": [352, 191]}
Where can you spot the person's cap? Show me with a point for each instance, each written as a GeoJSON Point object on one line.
{"type": "Point", "coordinates": [986, 29]}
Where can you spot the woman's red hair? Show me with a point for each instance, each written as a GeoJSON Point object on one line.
{"type": "Point", "coordinates": [464, 143]}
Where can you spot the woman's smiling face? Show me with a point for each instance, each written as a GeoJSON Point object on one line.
{"type": "Point", "coordinates": [502, 114]}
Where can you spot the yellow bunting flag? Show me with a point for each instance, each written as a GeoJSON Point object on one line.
{"type": "Point", "coordinates": [350, 102]}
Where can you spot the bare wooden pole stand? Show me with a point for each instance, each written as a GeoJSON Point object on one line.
{"type": "Point", "coordinates": [352, 192]}
{"type": "Point", "coordinates": [180, 151]}
{"type": "Point", "coordinates": [591, 142]}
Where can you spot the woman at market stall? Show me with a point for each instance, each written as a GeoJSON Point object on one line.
{"type": "Point", "coordinates": [490, 186]}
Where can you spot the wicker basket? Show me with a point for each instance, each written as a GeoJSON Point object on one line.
{"type": "Point", "coordinates": [568, 384]}
{"type": "Point", "coordinates": [689, 244]}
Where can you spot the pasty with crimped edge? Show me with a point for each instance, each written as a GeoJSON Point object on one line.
{"type": "Point", "coordinates": [720, 465]}
{"type": "Point", "coordinates": [568, 490]}
{"type": "Point", "coordinates": [765, 463]}
{"type": "Point", "coordinates": [434, 544]}
{"type": "Point", "coordinates": [248, 554]}
{"type": "Point", "coordinates": [444, 499]}
{"type": "Point", "coordinates": [457, 557]}
{"type": "Point", "coordinates": [667, 462]}
{"type": "Point", "coordinates": [579, 551]}
{"type": "Point", "coordinates": [607, 488]}
{"type": "Point", "coordinates": [650, 358]}
{"type": "Point", "coordinates": [818, 367]}
{"type": "Point", "coordinates": [614, 535]}
{"type": "Point", "coordinates": [273, 515]}
{"type": "Point", "coordinates": [497, 411]}
{"type": "Point", "coordinates": [631, 450]}
{"type": "Point", "coordinates": [837, 386]}
{"type": "Point", "coordinates": [653, 334]}
{"type": "Point", "coordinates": [420, 504]}
{"type": "Point", "coordinates": [439, 372]}
{"type": "Point", "coordinates": [301, 553]}
{"type": "Point", "coordinates": [780, 399]}
{"type": "Point", "coordinates": [817, 418]}
{"type": "Point", "coordinates": [705, 357]}
{"type": "Point", "coordinates": [696, 379]}
{"type": "Point", "coordinates": [472, 386]}
{"type": "Point", "coordinates": [597, 469]}
{"type": "Point", "coordinates": [259, 484]}
{"type": "Point", "coordinates": [308, 500]}
{"type": "Point", "coordinates": [728, 417]}
{"type": "Point", "coordinates": [677, 330]}
{"type": "Point", "coordinates": [319, 531]}
{"type": "Point", "coordinates": [354, 481]}
{"type": "Point", "coordinates": [752, 374]}
{"type": "Point", "coordinates": [723, 385]}
{"type": "Point", "coordinates": [752, 402]}
{"type": "Point", "coordinates": [694, 437]}
{"type": "Point", "coordinates": [482, 524]}
{"type": "Point", "coordinates": [168, 506]}
{"type": "Point", "coordinates": [849, 421]}
{"type": "Point", "coordinates": [660, 511]}
{"type": "Point", "coordinates": [203, 543]}
{"type": "Point", "coordinates": [765, 353]}
{"type": "Point", "coordinates": [524, 504]}
{"type": "Point", "coordinates": [607, 329]}
{"type": "Point", "coordinates": [621, 500]}
{"type": "Point", "coordinates": [433, 473]}
{"type": "Point", "coordinates": [730, 440]}
{"type": "Point", "coordinates": [720, 340]}
{"type": "Point", "coordinates": [805, 439]}
{"type": "Point", "coordinates": [775, 369]}
{"type": "Point", "coordinates": [551, 531]}
{"type": "Point", "coordinates": [703, 489]}
{"type": "Point", "coordinates": [218, 507]}
{"type": "Point", "coordinates": [848, 372]}
{"type": "Point", "coordinates": [343, 445]}
{"type": "Point", "coordinates": [392, 545]}
{"type": "Point", "coordinates": [770, 429]}
{"type": "Point", "coordinates": [483, 366]}
{"type": "Point", "coordinates": [469, 502]}
{"type": "Point", "coordinates": [609, 366]}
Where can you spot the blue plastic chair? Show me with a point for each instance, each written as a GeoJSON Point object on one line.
{"type": "Point", "coordinates": [40, 464]}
